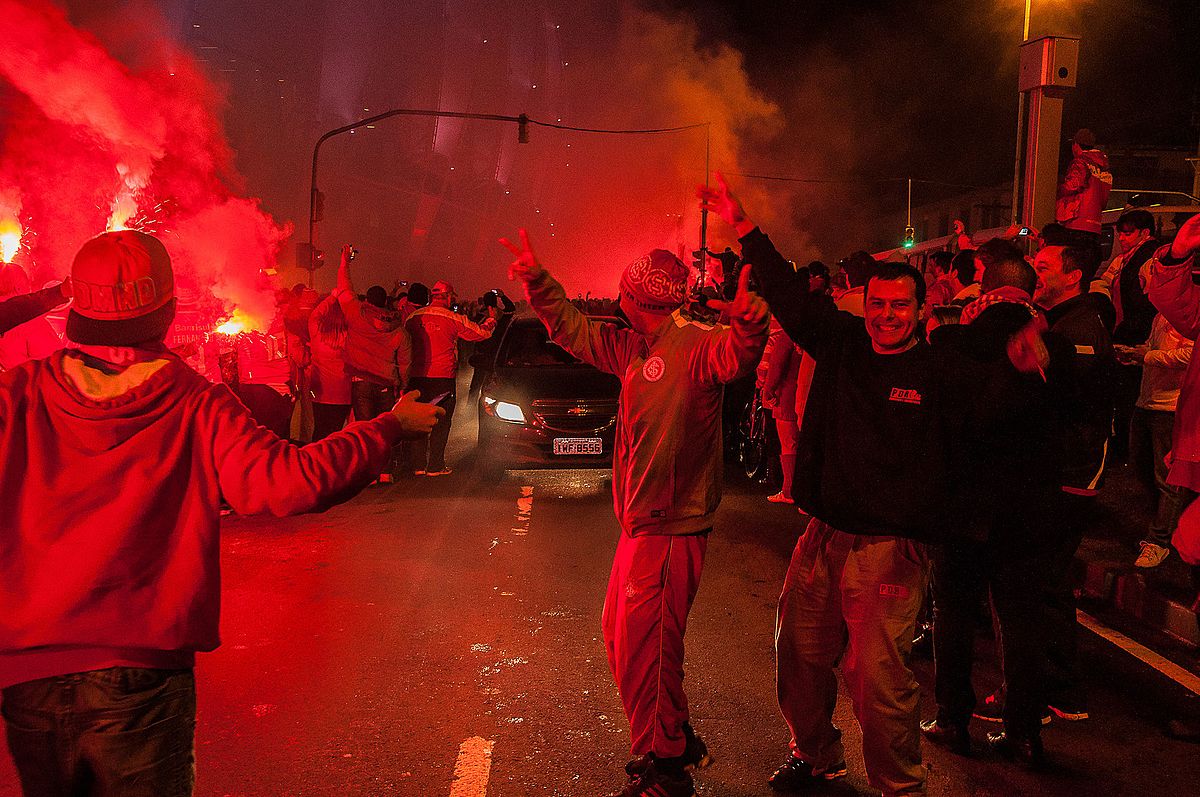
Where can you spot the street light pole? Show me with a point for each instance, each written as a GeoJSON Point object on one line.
{"type": "Point", "coordinates": [1021, 100]}
{"type": "Point", "coordinates": [522, 136]}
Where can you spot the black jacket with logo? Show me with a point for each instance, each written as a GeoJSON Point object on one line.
{"type": "Point", "coordinates": [874, 454]}
{"type": "Point", "coordinates": [931, 443]}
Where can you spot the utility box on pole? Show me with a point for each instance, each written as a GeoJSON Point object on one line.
{"type": "Point", "coordinates": [1047, 72]}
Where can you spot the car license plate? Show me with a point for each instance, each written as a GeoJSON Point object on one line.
{"type": "Point", "coordinates": [567, 446]}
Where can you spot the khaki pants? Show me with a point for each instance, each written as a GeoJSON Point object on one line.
{"type": "Point", "coordinates": [857, 597]}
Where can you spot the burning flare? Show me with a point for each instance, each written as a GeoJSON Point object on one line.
{"type": "Point", "coordinates": [10, 239]}
{"type": "Point", "coordinates": [125, 203]}
{"type": "Point", "coordinates": [236, 324]}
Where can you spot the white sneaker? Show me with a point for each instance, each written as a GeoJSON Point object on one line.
{"type": "Point", "coordinates": [1152, 555]}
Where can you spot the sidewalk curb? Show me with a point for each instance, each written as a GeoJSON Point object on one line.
{"type": "Point", "coordinates": [1127, 592]}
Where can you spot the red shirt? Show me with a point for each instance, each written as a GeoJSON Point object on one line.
{"type": "Point", "coordinates": [109, 550]}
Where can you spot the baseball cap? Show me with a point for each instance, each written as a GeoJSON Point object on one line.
{"type": "Point", "coordinates": [124, 290]}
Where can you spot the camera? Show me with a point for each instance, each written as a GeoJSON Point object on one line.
{"type": "Point", "coordinates": [1023, 231]}
{"type": "Point", "coordinates": [353, 253]}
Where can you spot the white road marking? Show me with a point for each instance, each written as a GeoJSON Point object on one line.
{"type": "Point", "coordinates": [1165, 666]}
{"type": "Point", "coordinates": [473, 768]}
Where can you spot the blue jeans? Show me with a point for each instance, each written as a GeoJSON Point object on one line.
{"type": "Point", "coordinates": [120, 732]}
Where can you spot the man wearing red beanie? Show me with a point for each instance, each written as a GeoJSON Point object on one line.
{"type": "Point", "coordinates": [110, 584]}
{"type": "Point", "coordinates": [666, 483]}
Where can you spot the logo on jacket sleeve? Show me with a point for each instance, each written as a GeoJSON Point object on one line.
{"type": "Point", "coordinates": [906, 395]}
{"type": "Point", "coordinates": [654, 368]}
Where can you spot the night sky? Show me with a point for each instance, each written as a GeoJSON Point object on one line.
{"type": "Point", "coordinates": [857, 94]}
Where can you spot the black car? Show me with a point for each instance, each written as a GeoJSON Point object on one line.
{"type": "Point", "coordinates": [540, 407]}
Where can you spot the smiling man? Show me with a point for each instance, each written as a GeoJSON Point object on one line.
{"type": "Point", "coordinates": [878, 468]}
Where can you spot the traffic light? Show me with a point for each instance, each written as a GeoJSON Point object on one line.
{"type": "Point", "coordinates": [910, 237]}
{"type": "Point", "coordinates": [698, 260]}
{"type": "Point", "coordinates": [308, 257]}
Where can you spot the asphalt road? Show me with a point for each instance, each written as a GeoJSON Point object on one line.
{"type": "Point", "coordinates": [442, 622]}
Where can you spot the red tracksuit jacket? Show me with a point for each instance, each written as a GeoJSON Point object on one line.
{"type": "Point", "coordinates": [667, 454]}
{"type": "Point", "coordinates": [109, 509]}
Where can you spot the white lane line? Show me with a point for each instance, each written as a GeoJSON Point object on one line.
{"type": "Point", "coordinates": [1165, 666]}
{"type": "Point", "coordinates": [473, 768]}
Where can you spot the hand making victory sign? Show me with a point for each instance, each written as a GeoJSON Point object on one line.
{"type": "Point", "coordinates": [526, 267]}
{"type": "Point", "coordinates": [747, 307]}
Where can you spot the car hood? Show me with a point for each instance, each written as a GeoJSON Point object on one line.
{"type": "Point", "coordinates": [552, 382]}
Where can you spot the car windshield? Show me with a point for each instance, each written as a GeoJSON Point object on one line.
{"type": "Point", "coordinates": [530, 345]}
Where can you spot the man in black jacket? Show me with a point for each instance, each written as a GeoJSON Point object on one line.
{"type": "Point", "coordinates": [1084, 405]}
{"type": "Point", "coordinates": [1014, 472]}
{"type": "Point", "coordinates": [876, 453]}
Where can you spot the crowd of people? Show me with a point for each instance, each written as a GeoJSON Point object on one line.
{"type": "Point", "coordinates": [944, 433]}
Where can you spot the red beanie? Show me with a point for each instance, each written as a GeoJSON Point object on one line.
{"type": "Point", "coordinates": [656, 283]}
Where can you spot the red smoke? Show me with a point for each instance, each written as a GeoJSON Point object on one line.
{"type": "Point", "coordinates": [86, 128]}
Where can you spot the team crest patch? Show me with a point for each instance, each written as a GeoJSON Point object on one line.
{"type": "Point", "coordinates": [654, 368]}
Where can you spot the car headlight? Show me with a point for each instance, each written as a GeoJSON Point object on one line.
{"type": "Point", "coordinates": [504, 410]}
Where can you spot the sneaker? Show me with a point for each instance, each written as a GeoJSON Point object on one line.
{"type": "Point", "coordinates": [992, 710]}
{"type": "Point", "coordinates": [442, 472]}
{"type": "Point", "coordinates": [1026, 750]}
{"type": "Point", "coordinates": [796, 774]}
{"type": "Point", "coordinates": [1152, 555]}
{"type": "Point", "coordinates": [780, 498]}
{"type": "Point", "coordinates": [695, 755]}
{"type": "Point", "coordinates": [954, 738]}
{"type": "Point", "coordinates": [658, 781]}
{"type": "Point", "coordinates": [1069, 710]}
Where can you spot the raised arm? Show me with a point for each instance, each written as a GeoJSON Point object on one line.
{"type": "Point", "coordinates": [599, 344]}
{"type": "Point", "coordinates": [736, 350]}
{"type": "Point", "coordinates": [19, 309]}
{"type": "Point", "coordinates": [811, 320]}
{"type": "Point", "coordinates": [260, 472]}
{"type": "Point", "coordinates": [1171, 288]}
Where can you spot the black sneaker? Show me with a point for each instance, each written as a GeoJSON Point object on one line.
{"type": "Point", "coordinates": [954, 738]}
{"type": "Point", "coordinates": [992, 710]}
{"type": "Point", "coordinates": [1026, 750]}
{"type": "Point", "coordinates": [695, 755]}
{"type": "Point", "coordinates": [658, 781]}
{"type": "Point", "coordinates": [796, 774]}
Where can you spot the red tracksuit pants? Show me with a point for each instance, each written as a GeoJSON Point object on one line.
{"type": "Point", "coordinates": [650, 591]}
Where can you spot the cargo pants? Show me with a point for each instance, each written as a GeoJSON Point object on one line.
{"type": "Point", "coordinates": [650, 592]}
{"type": "Point", "coordinates": [853, 598]}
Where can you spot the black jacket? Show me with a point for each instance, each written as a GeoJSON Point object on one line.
{"type": "Point", "coordinates": [1086, 392]}
{"type": "Point", "coordinates": [877, 452]}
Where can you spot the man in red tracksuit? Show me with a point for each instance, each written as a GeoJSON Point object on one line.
{"type": "Point", "coordinates": [666, 483]}
{"type": "Point", "coordinates": [114, 456]}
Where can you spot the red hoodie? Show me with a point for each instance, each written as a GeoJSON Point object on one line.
{"type": "Point", "coordinates": [109, 507]}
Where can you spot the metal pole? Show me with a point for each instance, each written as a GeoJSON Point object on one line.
{"type": "Point", "coordinates": [1021, 102]}
{"type": "Point", "coordinates": [909, 222]}
{"type": "Point", "coordinates": [704, 210]}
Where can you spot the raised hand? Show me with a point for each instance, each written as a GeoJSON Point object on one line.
{"type": "Point", "coordinates": [1187, 240]}
{"type": "Point", "coordinates": [526, 266]}
{"type": "Point", "coordinates": [417, 419]}
{"type": "Point", "coordinates": [747, 307]}
{"type": "Point", "coordinates": [721, 200]}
